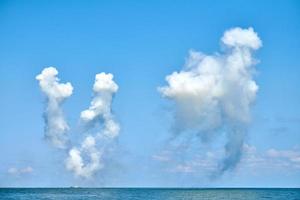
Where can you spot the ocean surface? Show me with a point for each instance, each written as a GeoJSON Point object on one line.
{"type": "Point", "coordinates": [145, 193]}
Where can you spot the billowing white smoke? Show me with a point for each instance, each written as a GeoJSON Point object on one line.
{"type": "Point", "coordinates": [75, 161]}
{"type": "Point", "coordinates": [214, 93]}
{"type": "Point", "coordinates": [87, 160]}
{"type": "Point", "coordinates": [56, 126]}
{"type": "Point", "coordinates": [100, 108]}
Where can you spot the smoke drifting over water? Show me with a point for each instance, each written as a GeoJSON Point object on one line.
{"type": "Point", "coordinates": [214, 93]}
{"type": "Point", "coordinates": [84, 161]}
{"type": "Point", "coordinates": [55, 124]}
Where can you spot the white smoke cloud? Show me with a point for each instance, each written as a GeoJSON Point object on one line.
{"type": "Point", "coordinates": [56, 126]}
{"type": "Point", "coordinates": [214, 93]}
{"type": "Point", "coordinates": [99, 112]}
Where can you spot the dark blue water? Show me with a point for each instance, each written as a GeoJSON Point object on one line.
{"type": "Point", "coordinates": [143, 194]}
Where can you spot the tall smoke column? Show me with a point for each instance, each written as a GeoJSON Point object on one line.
{"type": "Point", "coordinates": [56, 126]}
{"type": "Point", "coordinates": [214, 93]}
{"type": "Point", "coordinates": [99, 111]}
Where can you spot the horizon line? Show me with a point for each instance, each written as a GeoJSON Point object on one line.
{"type": "Point", "coordinates": [142, 187]}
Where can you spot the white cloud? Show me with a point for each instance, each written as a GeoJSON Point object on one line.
{"type": "Point", "coordinates": [213, 93]}
{"type": "Point", "coordinates": [163, 156]}
{"type": "Point", "coordinates": [56, 126]}
{"type": "Point", "coordinates": [291, 156]}
{"type": "Point", "coordinates": [271, 158]}
{"type": "Point", "coordinates": [182, 169]}
{"type": "Point", "coordinates": [20, 171]}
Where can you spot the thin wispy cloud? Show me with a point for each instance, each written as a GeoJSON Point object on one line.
{"type": "Point", "coordinates": [251, 160]}
{"type": "Point", "coordinates": [20, 171]}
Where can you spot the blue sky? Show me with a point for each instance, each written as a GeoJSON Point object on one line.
{"type": "Point", "coordinates": [141, 43]}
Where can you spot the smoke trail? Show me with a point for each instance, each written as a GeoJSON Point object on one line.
{"type": "Point", "coordinates": [87, 160]}
{"type": "Point", "coordinates": [56, 126]}
{"type": "Point", "coordinates": [214, 93]}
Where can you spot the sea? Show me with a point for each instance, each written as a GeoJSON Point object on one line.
{"type": "Point", "coordinates": [148, 193]}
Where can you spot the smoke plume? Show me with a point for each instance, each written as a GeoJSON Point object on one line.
{"type": "Point", "coordinates": [87, 160]}
{"type": "Point", "coordinates": [56, 126]}
{"type": "Point", "coordinates": [214, 93]}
